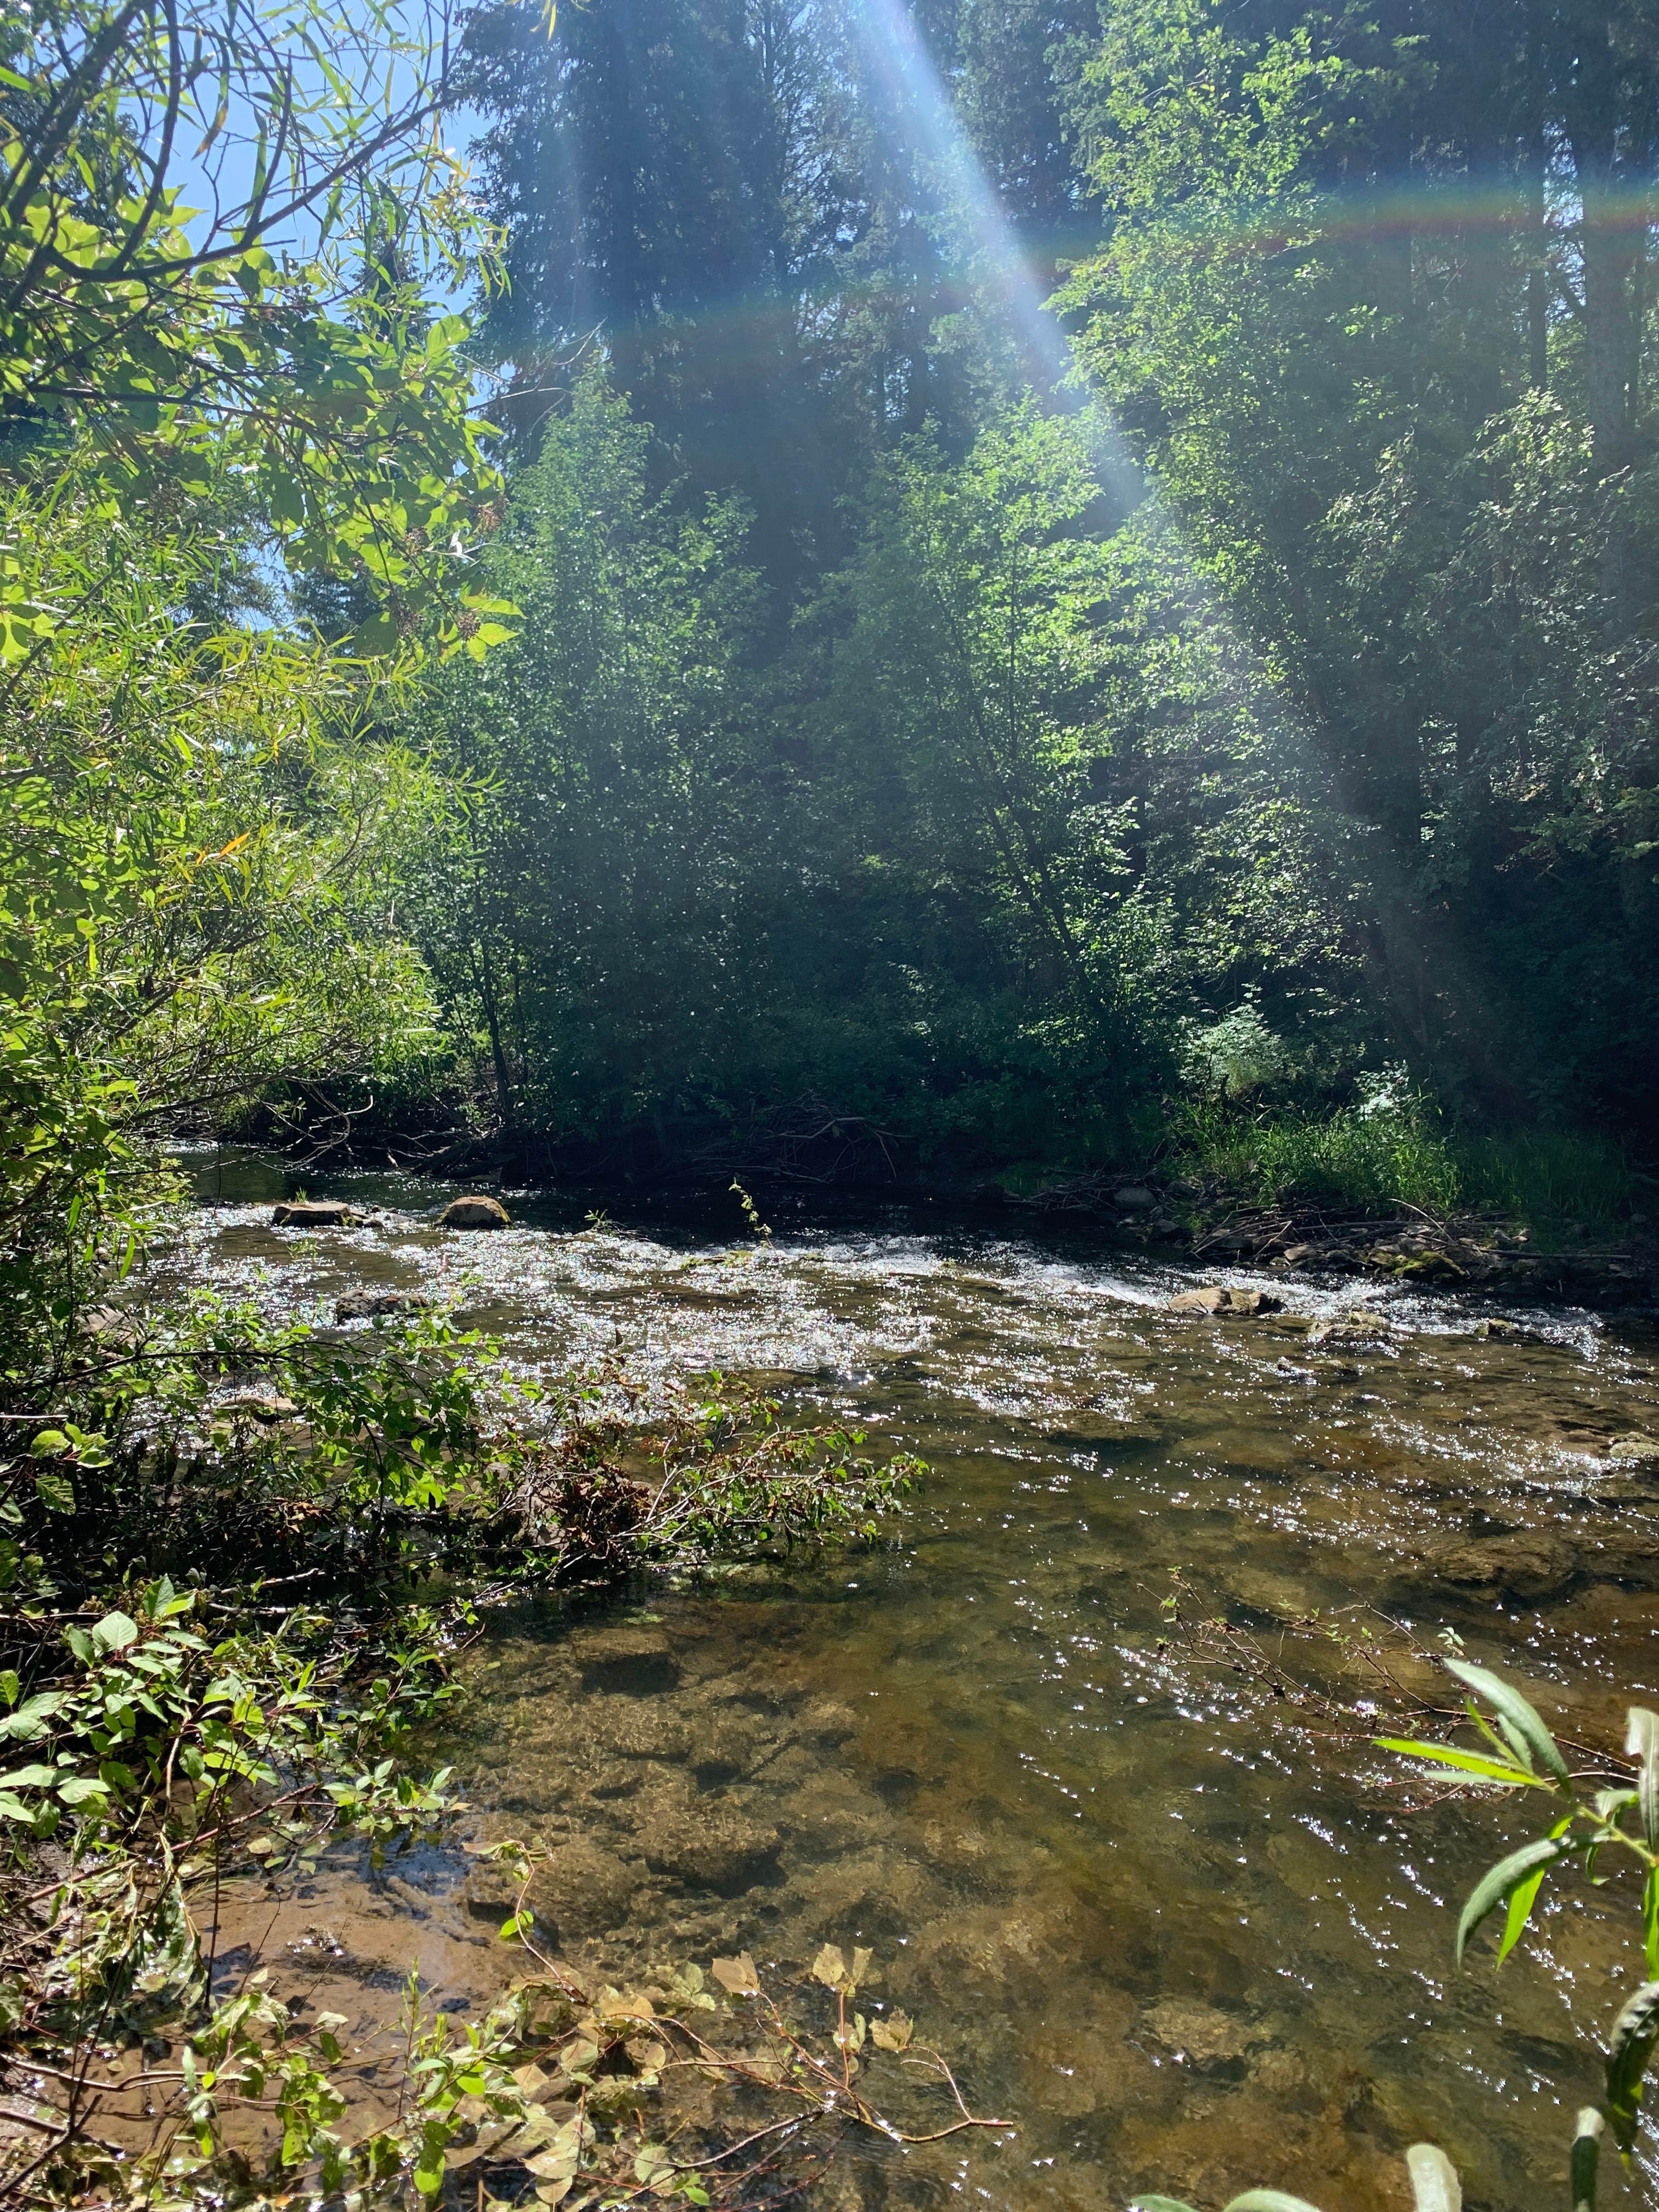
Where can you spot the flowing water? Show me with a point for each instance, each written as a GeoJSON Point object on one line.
{"type": "Point", "coordinates": [1177, 1943]}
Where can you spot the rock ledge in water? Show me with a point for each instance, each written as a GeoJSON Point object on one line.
{"type": "Point", "coordinates": [1220, 1298]}
{"type": "Point", "coordinates": [316, 1213]}
{"type": "Point", "coordinates": [364, 1305]}
{"type": "Point", "coordinates": [474, 1211]}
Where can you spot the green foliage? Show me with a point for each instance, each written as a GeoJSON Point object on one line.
{"type": "Point", "coordinates": [1591, 1813]}
{"type": "Point", "coordinates": [1389, 1150]}
{"type": "Point", "coordinates": [199, 855]}
{"type": "Point", "coordinates": [163, 348]}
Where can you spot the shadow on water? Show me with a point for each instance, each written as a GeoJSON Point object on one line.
{"type": "Point", "coordinates": [1186, 1951]}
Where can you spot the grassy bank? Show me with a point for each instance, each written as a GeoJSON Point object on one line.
{"type": "Point", "coordinates": [1554, 1184]}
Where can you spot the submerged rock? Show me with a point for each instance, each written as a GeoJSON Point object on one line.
{"type": "Point", "coordinates": [1100, 1431]}
{"type": "Point", "coordinates": [713, 1851]}
{"type": "Point", "coordinates": [474, 1211]}
{"type": "Point", "coordinates": [366, 1306]}
{"type": "Point", "coordinates": [1219, 1299]}
{"type": "Point", "coordinates": [628, 1662]}
{"type": "Point", "coordinates": [271, 1407]}
{"type": "Point", "coordinates": [1532, 1564]}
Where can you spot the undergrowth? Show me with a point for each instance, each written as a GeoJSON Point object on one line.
{"type": "Point", "coordinates": [1362, 1159]}
{"type": "Point", "coordinates": [239, 1561]}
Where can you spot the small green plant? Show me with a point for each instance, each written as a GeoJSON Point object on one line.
{"type": "Point", "coordinates": [1588, 1814]}
{"type": "Point", "coordinates": [751, 1213]}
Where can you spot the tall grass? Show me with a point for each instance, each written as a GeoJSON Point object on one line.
{"type": "Point", "coordinates": [1548, 1182]}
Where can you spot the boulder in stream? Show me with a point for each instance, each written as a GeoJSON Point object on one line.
{"type": "Point", "coordinates": [373, 1305]}
{"type": "Point", "coordinates": [475, 1211]}
{"type": "Point", "coordinates": [316, 1213]}
{"type": "Point", "coordinates": [1229, 1299]}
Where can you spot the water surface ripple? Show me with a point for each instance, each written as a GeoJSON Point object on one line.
{"type": "Point", "coordinates": [1188, 1953]}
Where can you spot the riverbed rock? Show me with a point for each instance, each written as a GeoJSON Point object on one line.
{"type": "Point", "coordinates": [713, 1851]}
{"type": "Point", "coordinates": [632, 1663]}
{"type": "Point", "coordinates": [265, 1408]}
{"type": "Point", "coordinates": [1354, 1331]}
{"type": "Point", "coordinates": [374, 1305]}
{"type": "Point", "coordinates": [1532, 1564]}
{"type": "Point", "coordinates": [1095, 1430]}
{"type": "Point", "coordinates": [109, 1327]}
{"type": "Point", "coordinates": [1135, 1198]}
{"type": "Point", "coordinates": [475, 1211]}
{"type": "Point", "coordinates": [1219, 1300]}
{"type": "Point", "coordinates": [1201, 2032]}
{"type": "Point", "coordinates": [316, 1213]}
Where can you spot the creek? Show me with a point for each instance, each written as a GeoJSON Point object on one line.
{"type": "Point", "coordinates": [1184, 1947]}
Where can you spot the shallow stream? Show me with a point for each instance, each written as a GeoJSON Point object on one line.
{"type": "Point", "coordinates": [1182, 1948]}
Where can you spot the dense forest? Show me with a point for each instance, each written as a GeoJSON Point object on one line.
{"type": "Point", "coordinates": [959, 594]}
{"type": "Point", "coordinates": [1039, 537]}
{"type": "Point", "coordinates": [1027, 568]}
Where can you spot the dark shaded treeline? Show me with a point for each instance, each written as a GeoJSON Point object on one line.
{"type": "Point", "coordinates": [860, 752]}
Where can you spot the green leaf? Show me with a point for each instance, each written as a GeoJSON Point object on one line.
{"type": "Point", "coordinates": [115, 1632]}
{"type": "Point", "coordinates": [1435, 2186]}
{"type": "Point", "coordinates": [33, 1718]}
{"type": "Point", "coordinates": [82, 1788]}
{"type": "Point", "coordinates": [1270, 2200]}
{"type": "Point", "coordinates": [1523, 1723]}
{"type": "Point", "coordinates": [1650, 1920]}
{"type": "Point", "coordinates": [1586, 2157]}
{"type": "Point", "coordinates": [55, 1490]}
{"type": "Point", "coordinates": [1628, 2052]}
{"type": "Point", "coordinates": [1642, 1744]}
{"type": "Point", "coordinates": [51, 1443]}
{"type": "Point", "coordinates": [1494, 1887]}
{"type": "Point", "coordinates": [1522, 1897]}
{"type": "Point", "coordinates": [1157, 2204]}
{"type": "Point", "coordinates": [1466, 1762]}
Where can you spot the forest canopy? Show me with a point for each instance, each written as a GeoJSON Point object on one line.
{"type": "Point", "coordinates": [825, 564]}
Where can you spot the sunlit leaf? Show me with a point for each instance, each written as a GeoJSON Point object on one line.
{"type": "Point", "coordinates": [1642, 1744]}
{"type": "Point", "coordinates": [1466, 1762]}
{"type": "Point", "coordinates": [1629, 2049]}
{"type": "Point", "coordinates": [1496, 1885]}
{"type": "Point", "coordinates": [1522, 1722]}
{"type": "Point", "coordinates": [1435, 2186]}
{"type": "Point", "coordinates": [1586, 2159]}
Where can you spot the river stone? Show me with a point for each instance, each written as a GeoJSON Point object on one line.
{"type": "Point", "coordinates": [1226, 1299]}
{"type": "Point", "coordinates": [713, 1851]}
{"type": "Point", "coordinates": [265, 1408]}
{"type": "Point", "coordinates": [1098, 1431]}
{"type": "Point", "coordinates": [1532, 1564]}
{"type": "Point", "coordinates": [370, 1305]}
{"type": "Point", "coordinates": [315, 1213]}
{"type": "Point", "coordinates": [474, 1211]}
{"type": "Point", "coordinates": [584, 1889]}
{"type": "Point", "coordinates": [1135, 1198]}
{"type": "Point", "coordinates": [631, 1662]}
{"type": "Point", "coordinates": [1205, 2033]}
